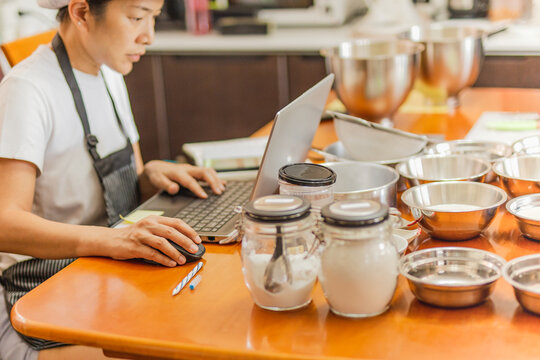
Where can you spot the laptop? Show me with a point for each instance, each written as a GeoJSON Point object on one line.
{"type": "Point", "coordinates": [289, 142]}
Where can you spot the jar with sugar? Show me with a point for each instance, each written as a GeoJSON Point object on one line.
{"type": "Point", "coordinates": [277, 234]}
{"type": "Point", "coordinates": [359, 260]}
{"type": "Point", "coordinates": [312, 182]}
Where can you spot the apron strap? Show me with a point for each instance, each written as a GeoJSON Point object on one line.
{"type": "Point", "coordinates": [67, 70]}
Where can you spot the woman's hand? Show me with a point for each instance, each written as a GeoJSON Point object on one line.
{"type": "Point", "coordinates": [166, 176]}
{"type": "Point", "coordinates": [144, 238]}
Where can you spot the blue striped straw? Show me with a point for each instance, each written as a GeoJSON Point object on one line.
{"type": "Point", "coordinates": [188, 277]}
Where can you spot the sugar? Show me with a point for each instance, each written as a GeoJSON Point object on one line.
{"type": "Point", "coordinates": [361, 279]}
{"type": "Point", "coordinates": [303, 271]}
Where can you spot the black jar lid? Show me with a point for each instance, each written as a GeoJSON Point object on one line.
{"type": "Point", "coordinates": [307, 174]}
{"type": "Point", "coordinates": [273, 208]}
{"type": "Point", "coordinates": [354, 213]}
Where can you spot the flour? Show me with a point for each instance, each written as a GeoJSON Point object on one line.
{"type": "Point", "coordinates": [359, 279]}
{"type": "Point", "coordinates": [454, 207]}
{"type": "Point", "coordinates": [292, 296]}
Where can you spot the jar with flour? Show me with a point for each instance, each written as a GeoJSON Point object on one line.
{"type": "Point", "coordinates": [277, 234]}
{"type": "Point", "coordinates": [359, 261]}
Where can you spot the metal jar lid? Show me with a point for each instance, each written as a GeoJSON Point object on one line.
{"type": "Point", "coordinates": [354, 213]}
{"type": "Point", "coordinates": [275, 208]}
{"type": "Point", "coordinates": [307, 174]}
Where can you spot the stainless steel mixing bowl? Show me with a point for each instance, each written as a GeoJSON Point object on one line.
{"type": "Point", "coordinates": [519, 175]}
{"type": "Point", "coordinates": [429, 168]}
{"type": "Point", "coordinates": [363, 180]}
{"type": "Point", "coordinates": [452, 57]}
{"type": "Point", "coordinates": [454, 210]}
{"type": "Point", "coordinates": [526, 210]}
{"type": "Point", "coordinates": [452, 276]}
{"type": "Point", "coordinates": [373, 76]}
{"type": "Point", "coordinates": [487, 150]}
{"type": "Point", "coordinates": [529, 145]}
{"type": "Point", "coordinates": [523, 273]}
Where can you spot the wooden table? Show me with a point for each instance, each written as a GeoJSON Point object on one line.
{"type": "Point", "coordinates": [126, 307]}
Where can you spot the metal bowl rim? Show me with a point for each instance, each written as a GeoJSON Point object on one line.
{"type": "Point", "coordinates": [380, 162]}
{"type": "Point", "coordinates": [510, 206]}
{"type": "Point", "coordinates": [477, 33]}
{"type": "Point", "coordinates": [434, 156]}
{"type": "Point", "coordinates": [414, 49]}
{"type": "Point", "coordinates": [511, 281]}
{"type": "Point", "coordinates": [465, 183]}
{"type": "Point", "coordinates": [394, 181]}
{"type": "Point", "coordinates": [504, 175]}
{"type": "Point", "coordinates": [483, 282]}
{"type": "Point", "coordinates": [519, 141]}
{"type": "Point", "coordinates": [508, 149]}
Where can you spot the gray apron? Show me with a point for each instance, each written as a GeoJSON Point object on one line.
{"type": "Point", "coordinates": [119, 181]}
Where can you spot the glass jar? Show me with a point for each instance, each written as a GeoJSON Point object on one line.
{"type": "Point", "coordinates": [312, 182]}
{"type": "Point", "coordinates": [277, 234]}
{"type": "Point", "coordinates": [359, 259]}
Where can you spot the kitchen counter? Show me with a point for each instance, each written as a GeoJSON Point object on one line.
{"type": "Point", "coordinates": [516, 40]}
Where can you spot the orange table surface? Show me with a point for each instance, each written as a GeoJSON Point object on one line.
{"type": "Point", "coordinates": [126, 307]}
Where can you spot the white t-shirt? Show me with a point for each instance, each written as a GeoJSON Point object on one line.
{"type": "Point", "coordinates": [40, 124]}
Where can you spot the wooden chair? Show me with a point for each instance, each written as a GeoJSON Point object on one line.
{"type": "Point", "coordinates": [20, 49]}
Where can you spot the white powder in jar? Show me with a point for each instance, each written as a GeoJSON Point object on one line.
{"type": "Point", "coordinates": [359, 278]}
{"type": "Point", "coordinates": [454, 207]}
{"type": "Point", "coordinates": [294, 295]}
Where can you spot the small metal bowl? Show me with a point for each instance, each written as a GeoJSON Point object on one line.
{"type": "Point", "coordinates": [429, 168]}
{"type": "Point", "coordinates": [451, 277]}
{"type": "Point", "coordinates": [454, 210]}
{"type": "Point", "coordinates": [519, 175]}
{"type": "Point", "coordinates": [529, 145]}
{"type": "Point", "coordinates": [526, 210]}
{"type": "Point", "coordinates": [363, 180]}
{"type": "Point", "coordinates": [523, 273]}
{"type": "Point", "coordinates": [487, 150]}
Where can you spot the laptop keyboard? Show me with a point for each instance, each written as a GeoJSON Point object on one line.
{"type": "Point", "coordinates": [212, 213]}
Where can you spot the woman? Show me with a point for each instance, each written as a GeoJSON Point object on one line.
{"type": "Point", "coordinates": [70, 162]}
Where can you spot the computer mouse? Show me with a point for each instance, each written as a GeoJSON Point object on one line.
{"type": "Point", "coordinates": [190, 257]}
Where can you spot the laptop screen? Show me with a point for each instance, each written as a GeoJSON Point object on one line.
{"type": "Point", "coordinates": [291, 136]}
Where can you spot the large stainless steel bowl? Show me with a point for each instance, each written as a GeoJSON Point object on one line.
{"type": "Point", "coordinates": [452, 276]}
{"type": "Point", "coordinates": [373, 76]}
{"type": "Point", "coordinates": [452, 58]}
{"type": "Point", "coordinates": [526, 210]}
{"type": "Point", "coordinates": [429, 168]}
{"type": "Point", "coordinates": [363, 180]}
{"type": "Point", "coordinates": [523, 273]}
{"type": "Point", "coordinates": [454, 210]}
{"type": "Point", "coordinates": [519, 175]}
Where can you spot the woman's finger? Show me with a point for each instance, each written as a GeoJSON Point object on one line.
{"type": "Point", "coordinates": [172, 234]}
{"type": "Point", "coordinates": [181, 226]}
{"type": "Point", "coordinates": [164, 245]}
{"type": "Point", "coordinates": [162, 182]}
{"type": "Point", "coordinates": [211, 177]}
{"type": "Point", "coordinates": [187, 181]}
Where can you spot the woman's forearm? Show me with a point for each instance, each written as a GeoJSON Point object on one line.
{"type": "Point", "coordinates": [28, 234]}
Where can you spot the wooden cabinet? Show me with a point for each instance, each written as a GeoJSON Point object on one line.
{"type": "Point", "coordinates": [510, 71]}
{"type": "Point", "coordinates": [218, 97]}
{"type": "Point", "coordinates": [179, 99]}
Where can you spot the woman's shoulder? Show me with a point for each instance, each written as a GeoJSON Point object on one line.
{"type": "Point", "coordinates": [41, 69]}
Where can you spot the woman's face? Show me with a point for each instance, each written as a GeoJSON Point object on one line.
{"type": "Point", "coordinates": [119, 36]}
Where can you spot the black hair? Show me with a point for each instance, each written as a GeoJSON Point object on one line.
{"type": "Point", "coordinates": [97, 8]}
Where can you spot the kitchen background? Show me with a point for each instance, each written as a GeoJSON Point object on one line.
{"type": "Point", "coordinates": [223, 68]}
